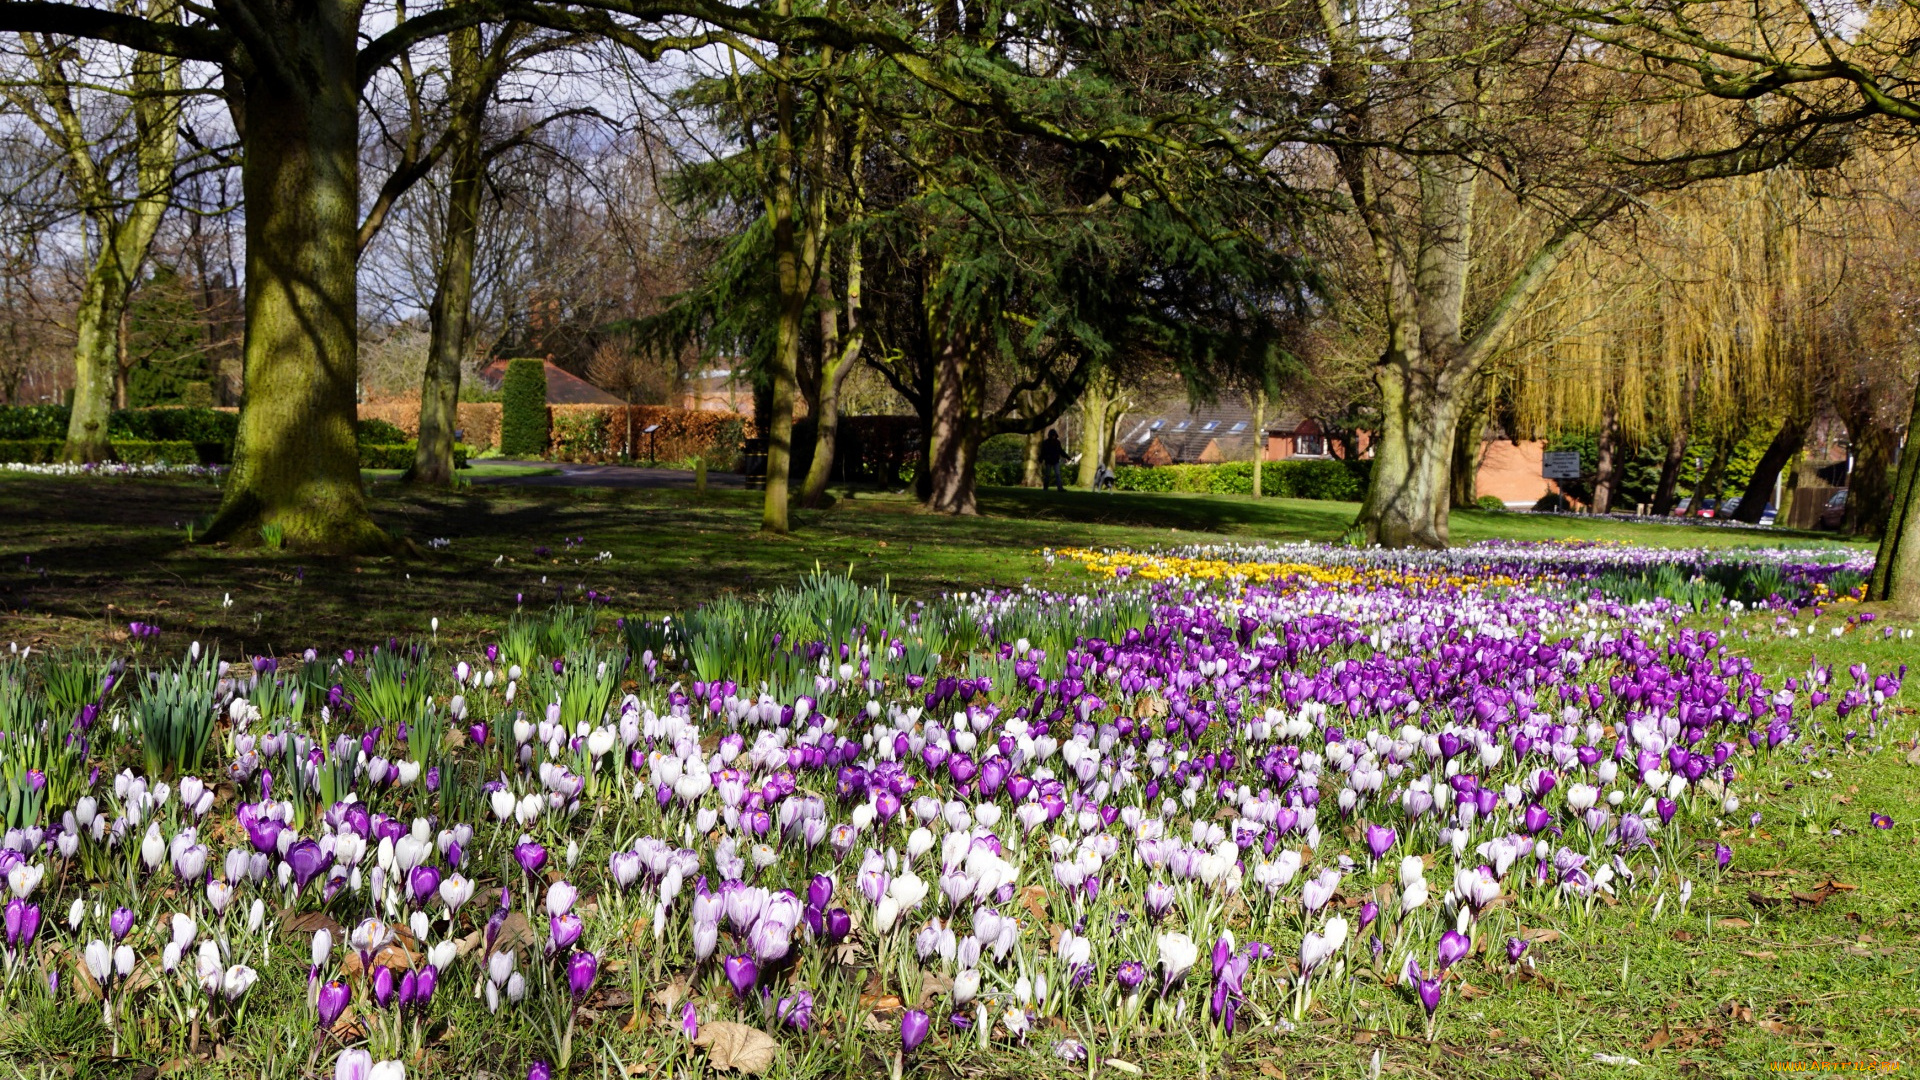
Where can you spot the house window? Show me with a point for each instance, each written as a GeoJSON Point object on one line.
{"type": "Point", "coordinates": [1183, 425]}
{"type": "Point", "coordinates": [1309, 446]}
{"type": "Point", "coordinates": [1238, 427]}
{"type": "Point", "coordinates": [1210, 425]}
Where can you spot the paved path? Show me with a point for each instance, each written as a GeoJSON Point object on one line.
{"type": "Point", "coordinates": [570, 474]}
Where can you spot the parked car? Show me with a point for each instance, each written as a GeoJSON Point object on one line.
{"type": "Point", "coordinates": [1832, 514]}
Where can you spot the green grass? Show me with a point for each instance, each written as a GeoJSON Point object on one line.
{"type": "Point", "coordinates": [474, 471]}
{"type": "Point", "coordinates": [1692, 996]}
{"type": "Point", "coordinates": [84, 557]}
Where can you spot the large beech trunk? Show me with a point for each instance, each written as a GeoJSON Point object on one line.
{"type": "Point", "coordinates": [1408, 494]}
{"type": "Point", "coordinates": [296, 463]}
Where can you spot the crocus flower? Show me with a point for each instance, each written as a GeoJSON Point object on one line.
{"type": "Point", "coordinates": [914, 1025]}
{"type": "Point", "coordinates": [531, 856]}
{"type": "Point", "coordinates": [796, 1010]}
{"type": "Point", "coordinates": [331, 1002]}
{"type": "Point", "coordinates": [1379, 839]}
{"type": "Point", "coordinates": [1880, 821]}
{"type": "Point", "coordinates": [1722, 855]}
{"type": "Point", "coordinates": [582, 967]}
{"type": "Point", "coordinates": [742, 972]}
{"type": "Point", "coordinates": [1453, 946]}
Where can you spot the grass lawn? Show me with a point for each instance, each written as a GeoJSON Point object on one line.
{"type": "Point", "coordinates": [86, 556]}
{"type": "Point", "coordinates": [476, 470]}
{"type": "Point", "coordinates": [1770, 963]}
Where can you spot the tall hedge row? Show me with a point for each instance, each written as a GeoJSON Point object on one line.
{"type": "Point", "coordinates": [523, 409]}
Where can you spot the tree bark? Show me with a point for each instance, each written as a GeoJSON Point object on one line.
{"type": "Point", "coordinates": [1093, 432]}
{"type": "Point", "coordinates": [1896, 571]}
{"type": "Point", "coordinates": [1708, 489]}
{"type": "Point", "coordinates": [953, 438]}
{"type": "Point", "coordinates": [1407, 497]}
{"type": "Point", "coordinates": [1607, 467]}
{"type": "Point", "coordinates": [786, 350]}
{"type": "Point", "coordinates": [837, 360]}
{"type": "Point", "coordinates": [1679, 433]}
{"type": "Point", "coordinates": [1463, 469]}
{"type": "Point", "coordinates": [124, 227]}
{"type": "Point", "coordinates": [450, 314]}
{"type": "Point", "coordinates": [1030, 460]}
{"type": "Point", "coordinates": [1786, 443]}
{"type": "Point", "coordinates": [1259, 441]}
{"type": "Point", "coordinates": [1870, 486]}
{"type": "Point", "coordinates": [296, 462]}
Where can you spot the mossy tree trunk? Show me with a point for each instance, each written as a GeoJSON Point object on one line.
{"type": "Point", "coordinates": [123, 223]}
{"type": "Point", "coordinates": [1896, 571]}
{"type": "Point", "coordinates": [1259, 441]}
{"type": "Point", "coordinates": [296, 464]}
{"type": "Point", "coordinates": [450, 314]}
{"type": "Point", "coordinates": [1093, 431]}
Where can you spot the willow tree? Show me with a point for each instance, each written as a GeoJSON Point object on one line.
{"type": "Point", "coordinates": [119, 174]}
{"type": "Point", "coordinates": [1698, 315]}
{"type": "Point", "coordinates": [1430, 114]}
{"type": "Point", "coordinates": [1821, 67]}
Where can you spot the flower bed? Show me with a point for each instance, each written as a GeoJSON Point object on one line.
{"type": "Point", "coordinates": [1075, 822]}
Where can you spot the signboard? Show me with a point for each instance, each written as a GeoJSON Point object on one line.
{"type": "Point", "coordinates": [1560, 465]}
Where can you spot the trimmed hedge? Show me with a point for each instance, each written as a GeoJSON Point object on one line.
{"type": "Point", "coordinates": [1318, 479]}
{"type": "Point", "coordinates": [209, 432]}
{"type": "Point", "coordinates": [523, 409]}
{"type": "Point", "coordinates": [129, 451]}
{"type": "Point", "coordinates": [401, 455]}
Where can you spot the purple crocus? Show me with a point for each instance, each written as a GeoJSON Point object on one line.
{"type": "Point", "coordinates": [1880, 821]}
{"type": "Point", "coordinates": [1516, 948]}
{"type": "Point", "coordinates": [1129, 975]}
{"type": "Point", "coordinates": [564, 931]}
{"type": "Point", "coordinates": [1429, 991]}
{"type": "Point", "coordinates": [1453, 946]}
{"type": "Point", "coordinates": [120, 923]}
{"type": "Point", "coordinates": [383, 986]}
{"type": "Point", "coordinates": [531, 856]}
{"type": "Point", "coordinates": [582, 968]}
{"type": "Point", "coordinates": [540, 1070]}
{"type": "Point", "coordinates": [796, 1010]}
{"type": "Point", "coordinates": [742, 972]}
{"type": "Point", "coordinates": [913, 1030]}
{"type": "Point", "coordinates": [331, 1002]}
{"type": "Point", "coordinates": [1380, 838]}
{"type": "Point", "coordinates": [1722, 855]}
{"type": "Point", "coordinates": [425, 882]}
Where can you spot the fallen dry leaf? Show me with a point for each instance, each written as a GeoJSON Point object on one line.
{"type": "Point", "coordinates": [1736, 924]}
{"type": "Point", "coordinates": [1034, 898]}
{"type": "Point", "coordinates": [1660, 1038]}
{"type": "Point", "coordinates": [1540, 934]}
{"type": "Point", "coordinates": [1267, 1069]}
{"type": "Point", "coordinates": [1683, 935]}
{"type": "Point", "coordinates": [737, 1047]}
{"type": "Point", "coordinates": [1759, 954]}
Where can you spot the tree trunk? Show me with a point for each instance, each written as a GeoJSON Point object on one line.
{"type": "Point", "coordinates": [1607, 467]}
{"type": "Point", "coordinates": [1664, 494]}
{"type": "Point", "coordinates": [1896, 572]}
{"type": "Point", "coordinates": [837, 360]}
{"type": "Point", "coordinates": [953, 440]}
{"type": "Point", "coordinates": [1463, 468]}
{"type": "Point", "coordinates": [451, 311]}
{"type": "Point", "coordinates": [1030, 462]}
{"type": "Point", "coordinates": [296, 463]}
{"type": "Point", "coordinates": [1708, 489]}
{"type": "Point", "coordinates": [1259, 441]}
{"type": "Point", "coordinates": [1407, 495]}
{"type": "Point", "coordinates": [1870, 485]}
{"type": "Point", "coordinates": [124, 239]}
{"type": "Point", "coordinates": [96, 358]}
{"type": "Point", "coordinates": [786, 350]}
{"type": "Point", "coordinates": [1093, 432]}
{"type": "Point", "coordinates": [1786, 443]}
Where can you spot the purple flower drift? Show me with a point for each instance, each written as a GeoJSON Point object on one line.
{"type": "Point", "coordinates": [914, 1025]}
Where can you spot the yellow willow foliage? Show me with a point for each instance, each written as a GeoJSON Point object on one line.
{"type": "Point", "coordinates": [1715, 285]}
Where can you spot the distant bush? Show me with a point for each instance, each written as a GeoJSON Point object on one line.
{"type": "Point", "coordinates": [1489, 503]}
{"type": "Point", "coordinates": [1329, 478]}
{"type": "Point", "coordinates": [401, 455]}
{"type": "Point", "coordinates": [1552, 503]}
{"type": "Point", "coordinates": [523, 409]}
{"type": "Point", "coordinates": [130, 451]}
{"type": "Point", "coordinates": [580, 436]}
{"type": "Point", "coordinates": [369, 432]}
{"type": "Point", "coordinates": [201, 427]}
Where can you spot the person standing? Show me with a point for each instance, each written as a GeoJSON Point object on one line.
{"type": "Point", "coordinates": [1051, 455]}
